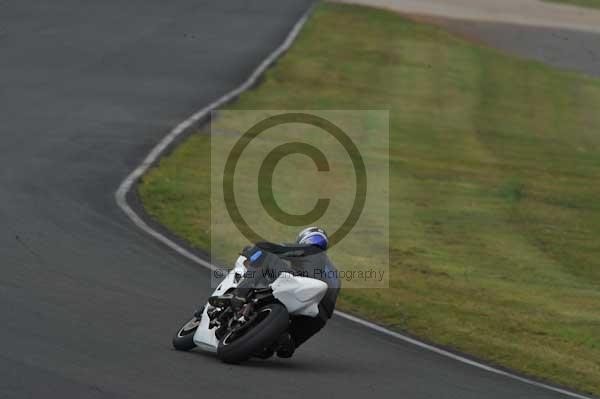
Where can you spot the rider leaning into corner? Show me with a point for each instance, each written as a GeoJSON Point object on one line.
{"type": "Point", "coordinates": [308, 258]}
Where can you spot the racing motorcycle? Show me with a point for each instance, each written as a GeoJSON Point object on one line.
{"type": "Point", "coordinates": [239, 326]}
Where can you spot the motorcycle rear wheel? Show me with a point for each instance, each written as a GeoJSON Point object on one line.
{"type": "Point", "coordinates": [274, 321]}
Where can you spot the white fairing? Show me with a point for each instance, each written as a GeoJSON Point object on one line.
{"type": "Point", "coordinates": [205, 338]}
{"type": "Point", "coordinates": [300, 295]}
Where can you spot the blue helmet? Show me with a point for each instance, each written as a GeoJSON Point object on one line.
{"type": "Point", "coordinates": [313, 236]}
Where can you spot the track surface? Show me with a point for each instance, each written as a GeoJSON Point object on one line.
{"type": "Point", "coordinates": [88, 302]}
{"type": "Point", "coordinates": [563, 48]}
{"type": "Point", "coordinates": [539, 13]}
{"type": "Point", "coordinates": [560, 35]}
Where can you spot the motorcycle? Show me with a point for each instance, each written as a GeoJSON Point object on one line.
{"type": "Point", "coordinates": [239, 326]}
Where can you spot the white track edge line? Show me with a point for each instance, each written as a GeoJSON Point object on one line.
{"type": "Point", "coordinates": [127, 184]}
{"type": "Point", "coordinates": [457, 357]}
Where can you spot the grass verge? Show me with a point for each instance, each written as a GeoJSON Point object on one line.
{"type": "Point", "coordinates": [495, 167]}
{"type": "Point", "coordinates": [580, 3]}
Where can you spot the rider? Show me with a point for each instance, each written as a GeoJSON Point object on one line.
{"type": "Point", "coordinates": [308, 258]}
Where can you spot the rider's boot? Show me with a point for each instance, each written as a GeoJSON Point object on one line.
{"type": "Point", "coordinates": [285, 346]}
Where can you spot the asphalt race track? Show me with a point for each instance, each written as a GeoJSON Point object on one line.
{"type": "Point", "coordinates": [562, 48]}
{"type": "Point", "coordinates": [88, 302]}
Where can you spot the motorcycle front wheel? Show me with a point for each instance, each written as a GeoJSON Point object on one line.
{"type": "Point", "coordinates": [272, 321]}
{"type": "Point", "coordinates": [184, 339]}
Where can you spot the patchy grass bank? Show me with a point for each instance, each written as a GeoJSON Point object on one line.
{"type": "Point", "coordinates": [495, 187]}
{"type": "Point", "coordinates": [580, 3]}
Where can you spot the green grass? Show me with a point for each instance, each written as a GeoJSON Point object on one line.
{"type": "Point", "coordinates": [296, 185]}
{"type": "Point", "coordinates": [581, 3]}
{"type": "Point", "coordinates": [495, 187]}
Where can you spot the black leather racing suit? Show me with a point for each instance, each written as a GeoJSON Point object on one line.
{"type": "Point", "coordinates": [266, 261]}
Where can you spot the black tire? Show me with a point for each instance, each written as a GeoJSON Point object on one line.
{"type": "Point", "coordinates": [259, 336]}
{"type": "Point", "coordinates": [184, 338]}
